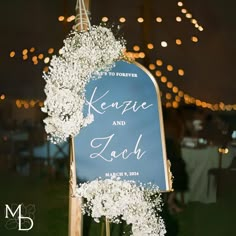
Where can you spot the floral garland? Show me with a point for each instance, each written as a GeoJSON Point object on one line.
{"type": "Point", "coordinates": [83, 54]}
{"type": "Point", "coordinates": [124, 200]}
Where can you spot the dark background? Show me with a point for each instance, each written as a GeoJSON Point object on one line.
{"type": "Point", "coordinates": [208, 64]}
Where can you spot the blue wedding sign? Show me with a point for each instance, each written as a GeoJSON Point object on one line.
{"type": "Point", "coordinates": [126, 138]}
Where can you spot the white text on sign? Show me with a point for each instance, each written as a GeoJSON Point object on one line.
{"type": "Point", "coordinates": [102, 144]}
{"type": "Point", "coordinates": [98, 105]}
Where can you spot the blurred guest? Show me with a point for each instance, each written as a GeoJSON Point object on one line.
{"type": "Point", "coordinates": [215, 130]}
{"type": "Point", "coordinates": [174, 130]}
{"type": "Point", "coordinates": [198, 122]}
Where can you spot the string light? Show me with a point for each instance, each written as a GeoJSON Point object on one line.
{"type": "Point", "coordinates": [45, 69]}
{"type": "Point", "coordinates": [194, 39]}
{"type": "Point", "coordinates": [40, 56]}
{"type": "Point", "coordinates": [122, 19]}
{"type": "Point", "coordinates": [140, 20]}
{"type": "Point", "coordinates": [25, 57]}
{"type": "Point", "coordinates": [178, 19]}
{"type": "Point", "coordinates": [152, 67]}
{"type": "Point", "coordinates": [32, 49]}
{"type": "Point", "coordinates": [26, 104]}
{"type": "Point", "coordinates": [180, 95]}
{"type": "Point", "coordinates": [175, 89]}
{"type": "Point", "coordinates": [136, 48]}
{"type": "Point", "coordinates": [51, 50]}
{"type": "Point", "coordinates": [178, 41]}
{"type": "Point", "coordinates": [168, 96]}
{"type": "Point", "coordinates": [60, 51]}
{"type": "Point", "coordinates": [181, 72]}
{"type": "Point", "coordinates": [169, 67]}
{"type": "Point", "coordinates": [189, 16]}
{"type": "Point", "coordinates": [177, 99]}
{"type": "Point", "coordinates": [61, 18]}
{"type": "Point", "coordinates": [29, 54]}
{"type": "Point", "coordinates": [70, 18]}
{"type": "Point", "coordinates": [141, 55]}
{"type": "Point", "coordinates": [150, 46]}
{"type": "Point", "coordinates": [169, 84]}
{"type": "Point", "coordinates": [12, 53]}
{"type": "Point", "coordinates": [105, 19]}
{"type": "Point", "coordinates": [2, 97]}
{"type": "Point", "coordinates": [159, 62]}
{"type": "Point", "coordinates": [46, 60]}
{"type": "Point", "coordinates": [158, 73]}
{"type": "Point", "coordinates": [164, 44]}
{"type": "Point", "coordinates": [25, 51]}
{"type": "Point", "coordinates": [163, 79]}
{"type": "Point", "coordinates": [159, 19]}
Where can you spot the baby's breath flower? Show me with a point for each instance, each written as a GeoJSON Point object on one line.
{"type": "Point", "coordinates": [122, 199]}
{"type": "Point", "coordinates": [83, 54]}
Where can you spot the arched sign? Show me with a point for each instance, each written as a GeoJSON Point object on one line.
{"type": "Point", "coordinates": [126, 139]}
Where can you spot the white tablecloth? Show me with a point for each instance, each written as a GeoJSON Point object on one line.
{"type": "Point", "coordinates": [198, 162]}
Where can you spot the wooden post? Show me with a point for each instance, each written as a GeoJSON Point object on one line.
{"type": "Point", "coordinates": [87, 4]}
{"type": "Point", "coordinates": [107, 227]}
{"type": "Point", "coordinates": [82, 23]}
{"type": "Point", "coordinates": [75, 214]}
{"type": "Point", "coordinates": [108, 233]}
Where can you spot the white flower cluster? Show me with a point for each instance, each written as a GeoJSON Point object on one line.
{"type": "Point", "coordinates": [83, 54]}
{"type": "Point", "coordinates": [120, 199]}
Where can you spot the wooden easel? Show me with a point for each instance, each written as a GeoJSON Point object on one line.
{"type": "Point", "coordinates": [75, 227]}
{"type": "Point", "coordinates": [75, 214]}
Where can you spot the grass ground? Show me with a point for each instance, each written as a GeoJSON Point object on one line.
{"type": "Point", "coordinates": [49, 199]}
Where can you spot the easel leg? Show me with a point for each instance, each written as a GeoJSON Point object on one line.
{"type": "Point", "coordinates": [75, 214]}
{"type": "Point", "coordinates": [75, 217]}
{"type": "Point", "coordinates": [108, 233]}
